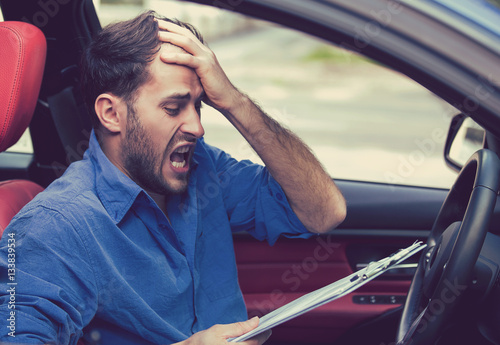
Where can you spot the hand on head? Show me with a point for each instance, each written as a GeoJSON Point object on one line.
{"type": "Point", "coordinates": [220, 93]}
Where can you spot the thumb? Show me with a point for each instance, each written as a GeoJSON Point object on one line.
{"type": "Point", "coordinates": [236, 329]}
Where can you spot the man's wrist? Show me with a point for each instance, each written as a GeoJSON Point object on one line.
{"type": "Point", "coordinates": [238, 105]}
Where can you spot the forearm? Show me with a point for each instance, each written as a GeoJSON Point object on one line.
{"type": "Point", "coordinates": [310, 191]}
{"type": "Point", "coordinates": [312, 194]}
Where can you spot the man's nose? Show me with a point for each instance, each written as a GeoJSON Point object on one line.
{"type": "Point", "coordinates": [192, 124]}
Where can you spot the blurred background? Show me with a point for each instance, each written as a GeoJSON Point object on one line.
{"type": "Point", "coordinates": [363, 121]}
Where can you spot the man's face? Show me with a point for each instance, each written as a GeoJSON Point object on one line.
{"type": "Point", "coordinates": [162, 128]}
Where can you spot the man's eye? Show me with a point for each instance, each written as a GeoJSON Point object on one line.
{"type": "Point", "coordinates": [172, 111]}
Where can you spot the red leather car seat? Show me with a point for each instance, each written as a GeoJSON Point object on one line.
{"type": "Point", "coordinates": [22, 61]}
{"type": "Point", "coordinates": [23, 50]}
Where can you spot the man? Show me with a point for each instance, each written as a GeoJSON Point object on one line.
{"type": "Point", "coordinates": [132, 245]}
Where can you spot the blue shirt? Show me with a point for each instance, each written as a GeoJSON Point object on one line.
{"type": "Point", "coordinates": [94, 254]}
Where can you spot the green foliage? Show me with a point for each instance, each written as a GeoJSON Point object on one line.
{"type": "Point", "coordinates": [328, 54]}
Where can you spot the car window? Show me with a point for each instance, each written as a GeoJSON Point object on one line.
{"type": "Point", "coordinates": [363, 121]}
{"type": "Point", "coordinates": [24, 144]}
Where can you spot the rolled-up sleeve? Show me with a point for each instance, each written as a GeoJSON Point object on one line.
{"type": "Point", "coordinates": [51, 295]}
{"type": "Point", "coordinates": [254, 200]}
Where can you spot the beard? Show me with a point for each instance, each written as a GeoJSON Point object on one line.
{"type": "Point", "coordinates": [144, 161]}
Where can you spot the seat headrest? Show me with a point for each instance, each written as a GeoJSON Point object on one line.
{"type": "Point", "coordinates": [23, 50]}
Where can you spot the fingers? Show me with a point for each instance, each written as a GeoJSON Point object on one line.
{"type": "Point", "coordinates": [168, 26]}
{"type": "Point", "coordinates": [180, 41]}
{"type": "Point", "coordinates": [172, 28]}
{"type": "Point", "coordinates": [236, 329]}
{"type": "Point", "coordinates": [218, 334]}
{"type": "Point", "coordinates": [258, 339]}
{"type": "Point", "coordinates": [180, 59]}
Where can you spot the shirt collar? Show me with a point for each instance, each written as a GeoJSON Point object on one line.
{"type": "Point", "coordinates": [116, 190]}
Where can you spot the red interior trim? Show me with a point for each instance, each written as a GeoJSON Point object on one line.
{"type": "Point", "coordinates": [22, 61]}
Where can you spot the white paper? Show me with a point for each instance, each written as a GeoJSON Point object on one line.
{"type": "Point", "coordinates": [330, 292]}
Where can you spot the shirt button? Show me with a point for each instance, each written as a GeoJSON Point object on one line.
{"type": "Point", "coordinates": [279, 196]}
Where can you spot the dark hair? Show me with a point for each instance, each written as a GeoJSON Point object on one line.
{"type": "Point", "coordinates": [116, 60]}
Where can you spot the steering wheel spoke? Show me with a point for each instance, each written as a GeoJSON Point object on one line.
{"type": "Point", "coordinates": [415, 325]}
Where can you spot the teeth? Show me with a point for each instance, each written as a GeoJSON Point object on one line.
{"type": "Point", "coordinates": [179, 164]}
{"type": "Point", "coordinates": [182, 149]}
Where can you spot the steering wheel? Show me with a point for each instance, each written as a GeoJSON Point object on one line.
{"type": "Point", "coordinates": [453, 246]}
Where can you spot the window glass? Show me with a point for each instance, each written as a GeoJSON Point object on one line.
{"type": "Point", "coordinates": [495, 2]}
{"type": "Point", "coordinates": [363, 121]}
{"type": "Point", "coordinates": [24, 144]}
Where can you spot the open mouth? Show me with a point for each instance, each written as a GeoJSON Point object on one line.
{"type": "Point", "coordinates": [180, 157]}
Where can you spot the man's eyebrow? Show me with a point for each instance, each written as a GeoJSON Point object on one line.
{"type": "Point", "coordinates": [181, 97]}
{"type": "Point", "coordinates": [176, 97]}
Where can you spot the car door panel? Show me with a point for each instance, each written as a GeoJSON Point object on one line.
{"type": "Point", "coordinates": [381, 219]}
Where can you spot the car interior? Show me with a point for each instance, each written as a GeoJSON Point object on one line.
{"type": "Point", "coordinates": [39, 88]}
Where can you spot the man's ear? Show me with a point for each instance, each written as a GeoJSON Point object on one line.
{"type": "Point", "coordinates": [111, 111]}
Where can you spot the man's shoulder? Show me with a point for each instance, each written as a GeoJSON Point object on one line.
{"type": "Point", "coordinates": [221, 160]}
{"type": "Point", "coordinates": [208, 153]}
{"type": "Point", "coordinates": [72, 193]}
